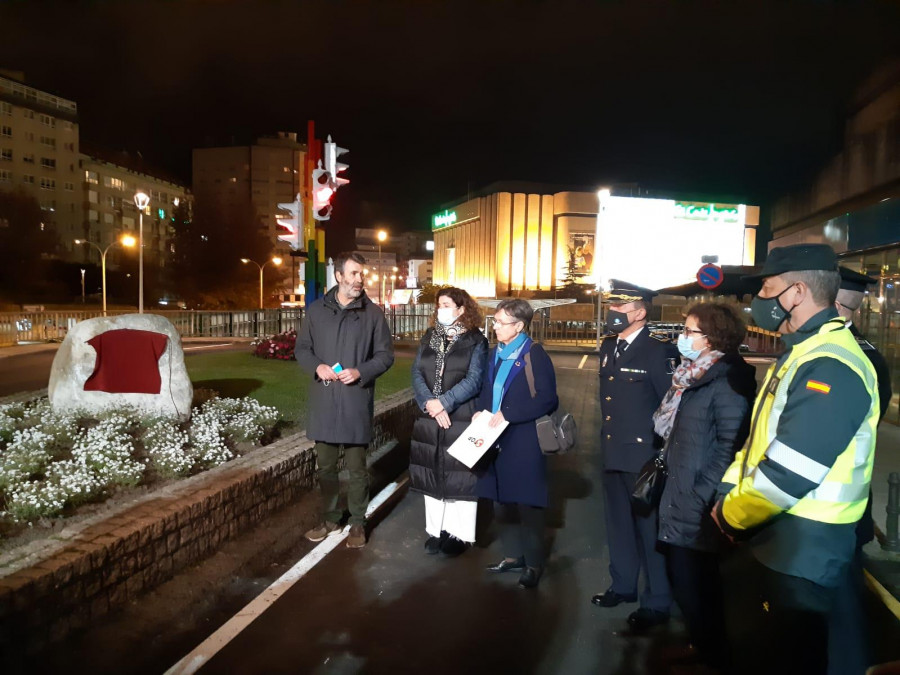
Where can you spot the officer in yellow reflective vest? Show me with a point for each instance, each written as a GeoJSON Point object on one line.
{"type": "Point", "coordinates": [795, 491]}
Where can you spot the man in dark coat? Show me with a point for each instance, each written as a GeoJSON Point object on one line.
{"type": "Point", "coordinates": [345, 344]}
{"type": "Point", "coordinates": [635, 373]}
{"type": "Point", "coordinates": [847, 645]}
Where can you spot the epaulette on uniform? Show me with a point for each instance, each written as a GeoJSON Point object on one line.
{"type": "Point", "coordinates": [864, 344]}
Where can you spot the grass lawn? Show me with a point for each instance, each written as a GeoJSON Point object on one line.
{"type": "Point", "coordinates": [273, 382]}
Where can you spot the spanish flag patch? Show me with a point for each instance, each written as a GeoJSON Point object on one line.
{"type": "Point", "coordinates": [818, 386]}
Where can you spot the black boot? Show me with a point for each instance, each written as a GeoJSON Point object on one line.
{"type": "Point", "coordinates": [453, 547]}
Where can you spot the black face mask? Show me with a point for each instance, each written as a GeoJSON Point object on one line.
{"type": "Point", "coordinates": [617, 321]}
{"type": "Point", "coordinates": [768, 313]}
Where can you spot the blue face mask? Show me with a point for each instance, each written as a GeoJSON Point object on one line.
{"type": "Point", "coordinates": [686, 348]}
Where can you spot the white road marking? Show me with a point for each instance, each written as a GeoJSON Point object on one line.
{"type": "Point", "coordinates": [224, 344]}
{"type": "Point", "coordinates": [583, 359]}
{"type": "Point", "coordinates": [227, 632]}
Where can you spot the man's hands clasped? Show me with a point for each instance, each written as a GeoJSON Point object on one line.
{"type": "Point", "coordinates": [327, 375]}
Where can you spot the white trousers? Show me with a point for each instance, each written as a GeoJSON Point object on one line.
{"type": "Point", "coordinates": [454, 517]}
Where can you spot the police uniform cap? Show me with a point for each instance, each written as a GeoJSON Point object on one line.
{"type": "Point", "coordinates": [623, 292]}
{"type": "Point", "coordinates": [854, 281]}
{"type": "Point", "coordinates": [797, 258]}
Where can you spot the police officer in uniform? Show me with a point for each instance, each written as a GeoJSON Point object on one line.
{"type": "Point", "coordinates": [848, 651]}
{"type": "Point", "coordinates": [635, 373]}
{"type": "Point", "coordinates": [794, 493]}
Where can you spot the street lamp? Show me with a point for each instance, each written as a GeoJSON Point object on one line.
{"type": "Point", "coordinates": [382, 237]}
{"type": "Point", "coordinates": [141, 201]}
{"type": "Point", "coordinates": [275, 261]}
{"type": "Point", "coordinates": [127, 240]}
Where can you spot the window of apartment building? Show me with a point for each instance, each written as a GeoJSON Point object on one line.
{"type": "Point", "coordinates": [28, 179]}
{"type": "Point", "coordinates": [233, 179]}
{"type": "Point", "coordinates": [29, 114]}
{"type": "Point", "coordinates": [69, 187]}
{"type": "Point", "coordinates": [48, 163]}
{"type": "Point", "coordinates": [108, 218]}
{"type": "Point", "coordinates": [93, 216]}
{"type": "Point", "coordinates": [48, 121]}
{"type": "Point", "coordinates": [115, 183]}
{"type": "Point", "coordinates": [48, 184]}
{"type": "Point", "coordinates": [111, 202]}
{"type": "Point", "coordinates": [5, 108]}
{"type": "Point", "coordinates": [5, 176]}
{"type": "Point", "coordinates": [29, 137]}
{"type": "Point", "coordinates": [6, 131]}
{"type": "Point", "coordinates": [70, 147]}
{"type": "Point", "coordinates": [92, 196]}
{"type": "Point", "coordinates": [48, 205]}
{"type": "Point", "coordinates": [48, 141]}
{"type": "Point", "coordinates": [68, 126]}
{"type": "Point", "coordinates": [28, 158]}
{"type": "Point", "coordinates": [6, 154]}
{"type": "Point", "coordinates": [127, 222]}
{"type": "Point", "coordinates": [90, 177]}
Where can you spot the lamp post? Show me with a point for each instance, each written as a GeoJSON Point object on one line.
{"type": "Point", "coordinates": [127, 240]}
{"type": "Point", "coordinates": [382, 237]}
{"type": "Point", "coordinates": [141, 201]}
{"type": "Point", "coordinates": [275, 261]}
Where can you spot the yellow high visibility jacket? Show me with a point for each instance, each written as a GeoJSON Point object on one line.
{"type": "Point", "coordinates": [841, 490]}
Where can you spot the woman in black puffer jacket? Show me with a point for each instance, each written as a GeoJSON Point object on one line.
{"type": "Point", "coordinates": [705, 419]}
{"type": "Point", "coordinates": [446, 379]}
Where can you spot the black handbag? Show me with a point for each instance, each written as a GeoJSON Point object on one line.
{"type": "Point", "coordinates": [650, 483]}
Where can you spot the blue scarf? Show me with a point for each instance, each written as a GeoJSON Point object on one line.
{"type": "Point", "coordinates": [507, 354]}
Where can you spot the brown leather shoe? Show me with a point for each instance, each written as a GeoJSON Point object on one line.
{"type": "Point", "coordinates": [319, 532]}
{"type": "Point", "coordinates": [357, 537]}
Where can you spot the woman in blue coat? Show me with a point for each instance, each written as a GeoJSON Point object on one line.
{"type": "Point", "coordinates": [516, 478]}
{"type": "Point", "coordinates": [705, 419]}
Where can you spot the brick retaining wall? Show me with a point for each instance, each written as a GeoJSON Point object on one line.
{"type": "Point", "coordinates": [52, 586]}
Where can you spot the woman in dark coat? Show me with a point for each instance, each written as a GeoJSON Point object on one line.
{"type": "Point", "coordinates": [516, 478]}
{"type": "Point", "coordinates": [705, 419]}
{"type": "Point", "coordinates": [446, 378]}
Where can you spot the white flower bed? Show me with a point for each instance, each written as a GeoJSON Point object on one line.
{"type": "Point", "coordinates": [51, 461]}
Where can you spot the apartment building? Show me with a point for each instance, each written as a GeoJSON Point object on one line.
{"type": "Point", "coordinates": [39, 152]}
{"type": "Point", "coordinates": [107, 190]}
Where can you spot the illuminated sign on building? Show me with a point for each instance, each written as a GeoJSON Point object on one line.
{"type": "Point", "coordinates": [444, 219]}
{"type": "Point", "coordinates": [720, 213]}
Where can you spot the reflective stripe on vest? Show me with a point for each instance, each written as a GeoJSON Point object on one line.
{"type": "Point", "coordinates": [843, 488]}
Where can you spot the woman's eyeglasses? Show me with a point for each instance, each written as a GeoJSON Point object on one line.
{"type": "Point", "coordinates": [690, 331]}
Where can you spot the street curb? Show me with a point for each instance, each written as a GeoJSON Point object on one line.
{"type": "Point", "coordinates": [53, 586]}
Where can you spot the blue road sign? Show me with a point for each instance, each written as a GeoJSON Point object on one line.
{"type": "Point", "coordinates": [710, 276]}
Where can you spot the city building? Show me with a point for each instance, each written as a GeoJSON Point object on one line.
{"type": "Point", "coordinates": [853, 204]}
{"type": "Point", "coordinates": [272, 171]}
{"type": "Point", "coordinates": [107, 190]}
{"type": "Point", "coordinates": [513, 237]}
{"type": "Point", "coordinates": [39, 152]}
{"type": "Point", "coordinates": [420, 271]}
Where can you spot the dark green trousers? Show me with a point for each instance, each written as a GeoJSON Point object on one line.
{"type": "Point", "coordinates": [357, 488]}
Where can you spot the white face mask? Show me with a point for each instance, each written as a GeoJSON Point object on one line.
{"type": "Point", "coordinates": [446, 316]}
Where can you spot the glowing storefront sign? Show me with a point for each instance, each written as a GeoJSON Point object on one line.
{"type": "Point", "coordinates": [444, 219]}
{"type": "Point", "coordinates": [720, 213]}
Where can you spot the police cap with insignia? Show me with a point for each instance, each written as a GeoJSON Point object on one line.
{"type": "Point", "coordinates": [622, 292]}
{"type": "Point", "coordinates": [854, 281]}
{"type": "Point", "coordinates": [797, 258]}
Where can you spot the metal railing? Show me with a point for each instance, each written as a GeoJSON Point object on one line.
{"type": "Point", "coordinates": [44, 326]}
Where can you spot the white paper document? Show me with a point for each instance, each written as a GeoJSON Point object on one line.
{"type": "Point", "coordinates": [476, 440]}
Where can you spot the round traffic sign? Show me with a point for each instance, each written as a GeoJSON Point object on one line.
{"type": "Point", "coordinates": [710, 276]}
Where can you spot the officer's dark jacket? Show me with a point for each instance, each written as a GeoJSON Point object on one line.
{"type": "Point", "coordinates": [881, 369]}
{"type": "Point", "coordinates": [631, 389]}
{"type": "Point", "coordinates": [711, 425]}
{"type": "Point", "coordinates": [431, 470]}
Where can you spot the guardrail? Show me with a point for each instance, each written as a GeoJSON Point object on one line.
{"type": "Point", "coordinates": [44, 326]}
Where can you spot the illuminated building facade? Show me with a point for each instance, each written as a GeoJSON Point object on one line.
{"type": "Point", "coordinates": [508, 240]}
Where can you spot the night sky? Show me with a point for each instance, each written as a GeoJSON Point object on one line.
{"type": "Point", "coordinates": [744, 99]}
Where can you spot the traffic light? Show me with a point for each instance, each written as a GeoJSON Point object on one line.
{"type": "Point", "coordinates": [332, 166]}
{"type": "Point", "coordinates": [322, 192]}
{"type": "Point", "coordinates": [291, 229]}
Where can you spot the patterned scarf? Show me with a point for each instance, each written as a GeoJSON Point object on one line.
{"type": "Point", "coordinates": [442, 338]}
{"type": "Point", "coordinates": [685, 375]}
